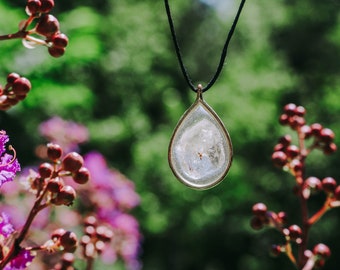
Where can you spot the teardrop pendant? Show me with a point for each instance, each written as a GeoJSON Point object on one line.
{"type": "Point", "coordinates": [200, 150]}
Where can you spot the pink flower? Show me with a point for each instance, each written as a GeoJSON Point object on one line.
{"type": "Point", "coordinates": [67, 134]}
{"type": "Point", "coordinates": [21, 261]}
{"type": "Point", "coordinates": [9, 165]}
{"type": "Point", "coordinates": [111, 183]}
{"type": "Point", "coordinates": [6, 228]}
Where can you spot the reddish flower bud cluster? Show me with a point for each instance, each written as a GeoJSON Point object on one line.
{"type": "Point", "coordinates": [321, 253]}
{"type": "Point", "coordinates": [293, 116]}
{"type": "Point", "coordinates": [50, 175]}
{"type": "Point", "coordinates": [95, 237]}
{"type": "Point", "coordinates": [15, 90]}
{"type": "Point", "coordinates": [47, 26]}
{"type": "Point", "coordinates": [291, 157]}
{"type": "Point", "coordinates": [262, 217]}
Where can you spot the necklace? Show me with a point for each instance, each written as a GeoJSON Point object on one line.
{"type": "Point", "coordinates": [200, 151]}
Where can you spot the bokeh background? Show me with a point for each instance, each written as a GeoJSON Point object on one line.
{"type": "Point", "coordinates": [120, 78]}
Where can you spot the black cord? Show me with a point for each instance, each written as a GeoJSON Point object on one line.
{"type": "Point", "coordinates": [223, 55]}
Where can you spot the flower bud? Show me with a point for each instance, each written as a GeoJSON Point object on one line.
{"type": "Point", "coordinates": [56, 51]}
{"type": "Point", "coordinates": [259, 209]}
{"type": "Point", "coordinates": [54, 151]}
{"type": "Point", "coordinates": [327, 135]}
{"type": "Point", "coordinates": [72, 162]}
{"type": "Point", "coordinates": [289, 109]}
{"type": "Point", "coordinates": [45, 170]}
{"type": "Point", "coordinates": [47, 26]}
{"type": "Point", "coordinates": [54, 185]}
{"type": "Point", "coordinates": [33, 6]}
{"type": "Point", "coordinates": [295, 232]}
{"type": "Point", "coordinates": [21, 86]}
{"type": "Point", "coordinates": [66, 195]}
{"type": "Point", "coordinates": [46, 5]}
{"type": "Point", "coordinates": [69, 241]}
{"type": "Point", "coordinates": [329, 184]}
{"type": "Point", "coordinates": [322, 250]}
{"type": "Point", "coordinates": [279, 158]}
{"type": "Point", "coordinates": [12, 77]}
{"type": "Point", "coordinates": [81, 176]}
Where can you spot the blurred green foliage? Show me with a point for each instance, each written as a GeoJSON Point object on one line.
{"type": "Point", "coordinates": [121, 79]}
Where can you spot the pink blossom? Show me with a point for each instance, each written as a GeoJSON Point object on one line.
{"type": "Point", "coordinates": [9, 165]}
{"type": "Point", "coordinates": [67, 134]}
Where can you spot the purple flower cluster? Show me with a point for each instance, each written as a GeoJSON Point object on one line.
{"type": "Point", "coordinates": [9, 165]}
{"type": "Point", "coordinates": [24, 257]}
{"type": "Point", "coordinates": [21, 261]}
{"type": "Point", "coordinates": [114, 196]}
{"type": "Point", "coordinates": [109, 194]}
{"type": "Point", "coordinates": [67, 134]}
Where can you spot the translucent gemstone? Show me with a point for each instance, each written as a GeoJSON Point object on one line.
{"type": "Point", "coordinates": [200, 151]}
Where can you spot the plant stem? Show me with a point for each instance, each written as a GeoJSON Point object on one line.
{"type": "Point", "coordinates": [303, 204]}
{"type": "Point", "coordinates": [19, 34]}
{"type": "Point", "coordinates": [321, 212]}
{"type": "Point", "coordinates": [15, 248]}
{"type": "Point", "coordinates": [89, 263]}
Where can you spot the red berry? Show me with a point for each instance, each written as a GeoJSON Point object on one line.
{"type": "Point", "coordinates": [54, 185]}
{"type": "Point", "coordinates": [285, 140]}
{"type": "Point", "coordinates": [33, 6]}
{"type": "Point", "coordinates": [90, 230]}
{"type": "Point", "coordinates": [300, 111]}
{"type": "Point", "coordinates": [289, 109]}
{"type": "Point", "coordinates": [284, 119]}
{"type": "Point", "coordinates": [313, 183]}
{"type": "Point", "coordinates": [279, 147]}
{"type": "Point", "coordinates": [259, 209]}
{"type": "Point", "coordinates": [327, 135]}
{"type": "Point", "coordinates": [56, 51]}
{"type": "Point", "coordinates": [45, 170]}
{"type": "Point", "coordinates": [316, 129]}
{"type": "Point", "coordinates": [60, 40]}
{"type": "Point", "coordinates": [12, 77]}
{"type": "Point", "coordinates": [46, 5]}
{"type": "Point", "coordinates": [306, 130]}
{"type": "Point", "coordinates": [103, 233]}
{"type": "Point", "coordinates": [296, 121]}
{"type": "Point", "coordinates": [90, 221]}
{"type": "Point", "coordinates": [296, 165]}
{"type": "Point", "coordinates": [292, 151]}
{"type": "Point", "coordinates": [282, 217]}
{"type": "Point", "coordinates": [322, 250]}
{"type": "Point", "coordinates": [54, 151]}
{"type": "Point", "coordinates": [329, 184]}
{"type": "Point", "coordinates": [82, 176]}
{"type": "Point", "coordinates": [295, 232]}
{"type": "Point", "coordinates": [48, 25]}
{"type": "Point", "coordinates": [21, 86]}
{"type": "Point", "coordinates": [69, 241]}
{"type": "Point", "coordinates": [72, 162]}
{"type": "Point", "coordinates": [279, 158]}
{"type": "Point", "coordinates": [66, 195]}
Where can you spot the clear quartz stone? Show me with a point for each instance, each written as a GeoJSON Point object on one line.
{"type": "Point", "coordinates": [200, 151]}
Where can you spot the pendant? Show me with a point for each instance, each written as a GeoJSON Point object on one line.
{"type": "Point", "coordinates": [200, 151]}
